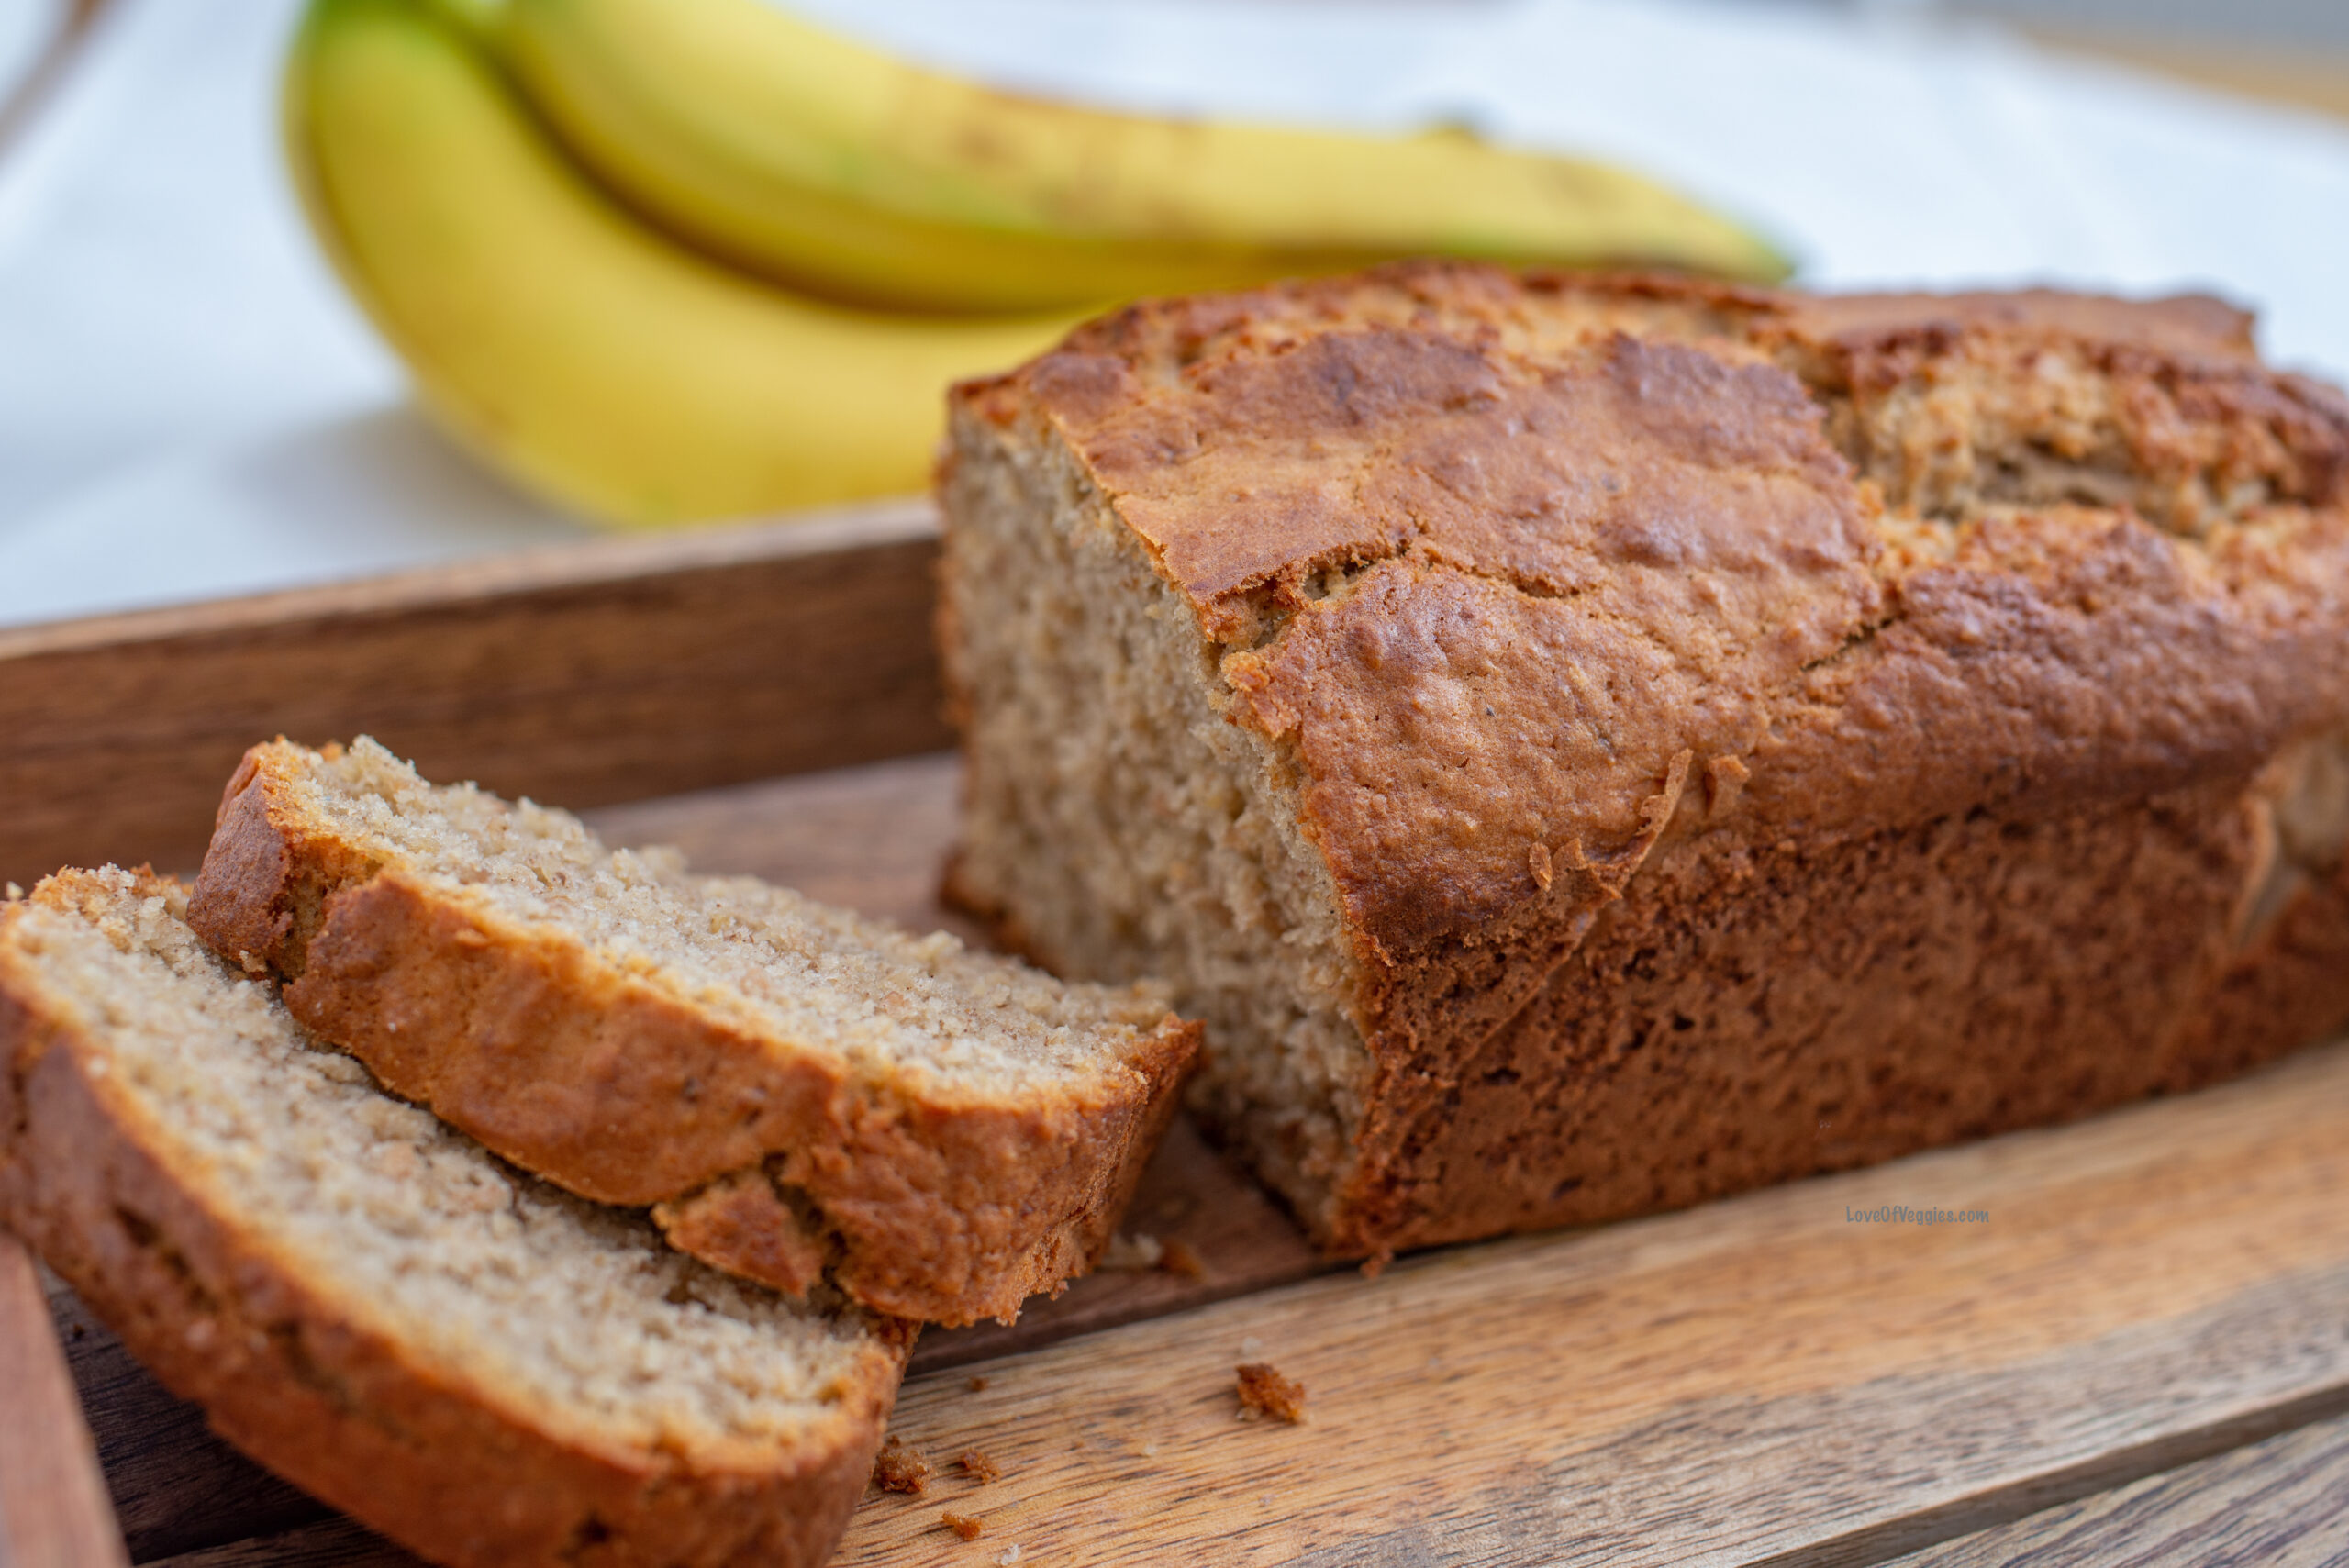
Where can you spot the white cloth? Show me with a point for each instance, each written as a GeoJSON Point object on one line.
{"type": "Point", "coordinates": [189, 406]}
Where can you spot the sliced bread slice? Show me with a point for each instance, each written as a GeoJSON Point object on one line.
{"type": "Point", "coordinates": [798, 1091]}
{"type": "Point", "coordinates": [478, 1365]}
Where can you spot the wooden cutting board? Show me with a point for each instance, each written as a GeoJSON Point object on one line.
{"type": "Point", "coordinates": [2156, 1305]}
{"type": "Point", "coordinates": [1769, 1379]}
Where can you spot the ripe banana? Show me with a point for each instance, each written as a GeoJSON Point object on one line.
{"type": "Point", "coordinates": [838, 168]}
{"type": "Point", "coordinates": [590, 359]}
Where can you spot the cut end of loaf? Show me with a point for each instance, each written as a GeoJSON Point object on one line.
{"type": "Point", "coordinates": [1118, 826]}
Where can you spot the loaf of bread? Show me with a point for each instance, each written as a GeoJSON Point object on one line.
{"type": "Point", "coordinates": [490, 1370]}
{"type": "Point", "coordinates": [1583, 746]}
{"type": "Point", "coordinates": [801, 1094]}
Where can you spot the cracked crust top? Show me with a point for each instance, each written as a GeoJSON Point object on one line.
{"type": "Point", "coordinates": [1522, 569]}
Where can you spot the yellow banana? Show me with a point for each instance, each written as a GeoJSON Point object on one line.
{"type": "Point", "coordinates": [592, 359]}
{"type": "Point", "coordinates": [835, 168]}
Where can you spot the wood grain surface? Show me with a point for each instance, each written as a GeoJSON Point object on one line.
{"type": "Point", "coordinates": [328, 1543]}
{"type": "Point", "coordinates": [606, 672]}
{"type": "Point", "coordinates": [1759, 1381]}
{"type": "Point", "coordinates": [53, 1511]}
{"type": "Point", "coordinates": [2283, 1503]}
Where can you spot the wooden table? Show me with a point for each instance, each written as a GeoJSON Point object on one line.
{"type": "Point", "coordinates": [2142, 1352]}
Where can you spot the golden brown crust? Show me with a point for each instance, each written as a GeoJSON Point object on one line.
{"type": "Point", "coordinates": [343, 1411]}
{"type": "Point", "coordinates": [268, 892]}
{"type": "Point", "coordinates": [929, 1206]}
{"type": "Point", "coordinates": [1575, 603]}
{"type": "Point", "coordinates": [741, 1223]}
{"type": "Point", "coordinates": [1748, 1013]}
{"type": "Point", "coordinates": [1505, 481]}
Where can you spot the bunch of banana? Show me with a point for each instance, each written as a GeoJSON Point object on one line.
{"type": "Point", "coordinates": [530, 278]}
{"type": "Point", "coordinates": [836, 168]}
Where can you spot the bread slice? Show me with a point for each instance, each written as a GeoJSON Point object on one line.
{"type": "Point", "coordinates": [796, 1090]}
{"type": "Point", "coordinates": [476, 1364]}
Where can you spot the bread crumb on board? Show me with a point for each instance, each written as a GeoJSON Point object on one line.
{"type": "Point", "coordinates": [978, 1466]}
{"type": "Point", "coordinates": [1008, 1556]}
{"type": "Point", "coordinates": [1141, 1254]}
{"type": "Point", "coordinates": [1137, 1253]}
{"type": "Point", "coordinates": [1181, 1258]}
{"type": "Point", "coordinates": [1264, 1392]}
{"type": "Point", "coordinates": [978, 1385]}
{"type": "Point", "coordinates": [898, 1468]}
{"type": "Point", "coordinates": [970, 1527]}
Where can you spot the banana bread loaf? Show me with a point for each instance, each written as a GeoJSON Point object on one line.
{"type": "Point", "coordinates": [799, 1093]}
{"type": "Point", "coordinates": [492, 1371]}
{"type": "Point", "coordinates": [1583, 746]}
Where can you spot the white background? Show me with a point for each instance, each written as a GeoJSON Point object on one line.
{"type": "Point", "coordinates": [188, 406]}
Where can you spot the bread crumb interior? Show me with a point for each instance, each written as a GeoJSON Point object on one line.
{"type": "Point", "coordinates": [1134, 831]}
{"type": "Point", "coordinates": [769, 959]}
